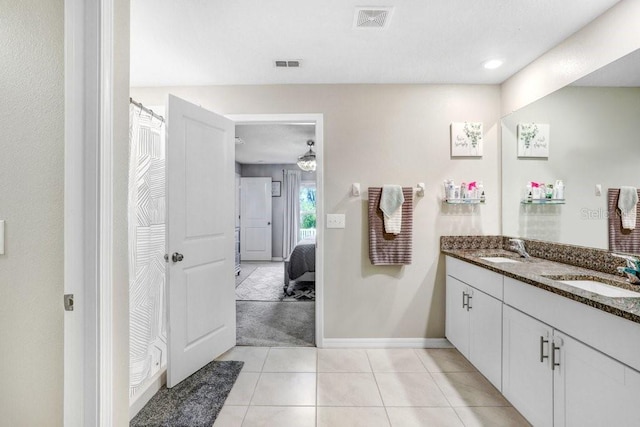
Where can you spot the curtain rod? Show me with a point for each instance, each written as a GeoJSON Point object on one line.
{"type": "Point", "coordinates": [146, 110]}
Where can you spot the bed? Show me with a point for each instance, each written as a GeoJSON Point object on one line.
{"type": "Point", "coordinates": [301, 264]}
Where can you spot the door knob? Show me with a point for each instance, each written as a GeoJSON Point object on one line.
{"type": "Point", "coordinates": [177, 257]}
{"type": "Point", "coordinates": [269, 223]}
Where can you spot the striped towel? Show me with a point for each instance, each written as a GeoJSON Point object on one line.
{"type": "Point", "coordinates": [385, 248]}
{"type": "Point", "coordinates": [620, 239]}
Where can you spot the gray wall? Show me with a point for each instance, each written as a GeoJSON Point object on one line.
{"type": "Point", "coordinates": [31, 202]}
{"type": "Point", "coordinates": [277, 203]}
{"type": "Point", "coordinates": [377, 134]}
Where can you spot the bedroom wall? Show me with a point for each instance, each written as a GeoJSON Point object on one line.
{"type": "Point", "coordinates": [377, 134]}
{"type": "Point", "coordinates": [32, 203]}
{"type": "Point", "coordinates": [277, 203]}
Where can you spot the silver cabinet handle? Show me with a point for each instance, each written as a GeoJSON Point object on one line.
{"type": "Point", "coordinates": [464, 303]}
{"type": "Point", "coordinates": [542, 355]}
{"type": "Point", "coordinates": [469, 298]}
{"type": "Point", "coordinates": [553, 356]}
{"type": "Point", "coordinates": [177, 257]}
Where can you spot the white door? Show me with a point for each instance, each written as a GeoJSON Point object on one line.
{"type": "Point", "coordinates": [200, 244]}
{"type": "Point", "coordinates": [527, 380]}
{"type": "Point", "coordinates": [591, 389]}
{"type": "Point", "coordinates": [457, 315]}
{"type": "Point", "coordinates": [255, 219]}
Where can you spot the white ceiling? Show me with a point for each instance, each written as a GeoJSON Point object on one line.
{"type": "Point", "coordinates": [273, 143]}
{"type": "Point", "coordinates": [206, 42]}
{"type": "Point", "coordinates": [625, 72]}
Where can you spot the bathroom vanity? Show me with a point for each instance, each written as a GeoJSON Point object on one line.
{"type": "Point", "coordinates": [561, 342]}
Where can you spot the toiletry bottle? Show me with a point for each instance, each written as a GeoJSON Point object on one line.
{"type": "Point", "coordinates": [549, 191]}
{"type": "Point", "coordinates": [559, 189]}
{"type": "Point", "coordinates": [529, 194]}
{"type": "Point", "coordinates": [480, 191]}
{"type": "Point", "coordinates": [463, 191]}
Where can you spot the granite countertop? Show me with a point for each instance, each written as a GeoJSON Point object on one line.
{"type": "Point", "coordinates": [534, 270]}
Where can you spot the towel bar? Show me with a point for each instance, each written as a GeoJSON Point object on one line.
{"type": "Point", "coordinates": [355, 190]}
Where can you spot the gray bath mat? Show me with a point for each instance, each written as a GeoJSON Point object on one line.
{"type": "Point", "coordinates": [194, 402]}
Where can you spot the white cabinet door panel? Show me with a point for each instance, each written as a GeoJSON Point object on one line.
{"type": "Point", "coordinates": [485, 337]}
{"type": "Point", "coordinates": [457, 316]}
{"type": "Point", "coordinates": [592, 389]}
{"type": "Point", "coordinates": [527, 380]}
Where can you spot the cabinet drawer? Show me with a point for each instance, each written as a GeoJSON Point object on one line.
{"type": "Point", "coordinates": [612, 335]}
{"type": "Point", "coordinates": [480, 278]}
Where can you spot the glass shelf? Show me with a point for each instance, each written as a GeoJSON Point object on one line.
{"type": "Point", "coordinates": [464, 201]}
{"type": "Point", "coordinates": [543, 202]}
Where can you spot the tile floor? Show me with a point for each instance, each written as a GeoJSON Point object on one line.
{"type": "Point", "coordinates": [299, 387]}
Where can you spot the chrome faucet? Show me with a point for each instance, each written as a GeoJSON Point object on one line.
{"type": "Point", "coordinates": [632, 270]}
{"type": "Point", "coordinates": [517, 245]}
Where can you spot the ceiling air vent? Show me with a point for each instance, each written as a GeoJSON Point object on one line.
{"type": "Point", "coordinates": [289, 63]}
{"type": "Point", "coordinates": [372, 17]}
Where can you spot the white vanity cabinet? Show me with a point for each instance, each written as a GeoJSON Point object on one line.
{"type": "Point", "coordinates": [555, 379]}
{"type": "Point", "coordinates": [474, 317]}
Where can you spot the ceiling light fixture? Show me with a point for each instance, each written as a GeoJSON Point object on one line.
{"type": "Point", "coordinates": [492, 64]}
{"type": "Point", "coordinates": [307, 162]}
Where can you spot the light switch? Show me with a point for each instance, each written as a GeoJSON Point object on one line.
{"type": "Point", "coordinates": [1, 236]}
{"type": "Point", "coordinates": [335, 220]}
{"type": "Point", "coordinates": [598, 190]}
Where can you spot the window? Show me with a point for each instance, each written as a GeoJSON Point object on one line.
{"type": "Point", "coordinates": [307, 210]}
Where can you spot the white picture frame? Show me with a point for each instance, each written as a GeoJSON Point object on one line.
{"type": "Point", "coordinates": [533, 140]}
{"type": "Point", "coordinates": [466, 139]}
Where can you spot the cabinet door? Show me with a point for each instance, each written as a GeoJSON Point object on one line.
{"type": "Point", "coordinates": [457, 316]}
{"type": "Point", "coordinates": [591, 389]}
{"type": "Point", "coordinates": [527, 380]}
{"type": "Point", "coordinates": [485, 336]}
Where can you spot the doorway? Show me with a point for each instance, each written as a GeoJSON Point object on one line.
{"type": "Point", "coordinates": [276, 298]}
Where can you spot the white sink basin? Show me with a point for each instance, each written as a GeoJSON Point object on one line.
{"type": "Point", "coordinates": [601, 288]}
{"type": "Point", "coordinates": [498, 259]}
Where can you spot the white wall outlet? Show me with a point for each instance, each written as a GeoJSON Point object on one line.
{"type": "Point", "coordinates": [598, 190]}
{"type": "Point", "coordinates": [335, 220]}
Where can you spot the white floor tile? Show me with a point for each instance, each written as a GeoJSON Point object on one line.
{"type": "Point", "coordinates": [243, 389]}
{"type": "Point", "coordinates": [343, 360]}
{"type": "Point", "coordinates": [352, 417]}
{"type": "Point", "coordinates": [253, 357]}
{"type": "Point", "coordinates": [410, 389]}
{"type": "Point", "coordinates": [395, 360]}
{"type": "Point", "coordinates": [419, 417]}
{"type": "Point", "coordinates": [300, 359]}
{"type": "Point", "coordinates": [280, 416]}
{"type": "Point", "coordinates": [444, 360]}
{"type": "Point", "coordinates": [285, 389]}
{"type": "Point", "coordinates": [230, 416]}
{"type": "Point", "coordinates": [468, 389]}
{"type": "Point", "coordinates": [348, 389]}
{"type": "Point", "coordinates": [491, 416]}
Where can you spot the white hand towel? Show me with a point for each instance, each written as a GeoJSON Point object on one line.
{"type": "Point", "coordinates": [391, 202]}
{"type": "Point", "coordinates": [627, 202]}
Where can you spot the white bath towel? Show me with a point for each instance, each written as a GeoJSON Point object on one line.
{"type": "Point", "coordinates": [627, 202]}
{"type": "Point", "coordinates": [391, 202]}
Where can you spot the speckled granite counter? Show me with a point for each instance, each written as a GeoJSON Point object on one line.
{"type": "Point", "coordinates": [534, 270]}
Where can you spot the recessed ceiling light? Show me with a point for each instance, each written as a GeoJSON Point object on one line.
{"type": "Point", "coordinates": [492, 64]}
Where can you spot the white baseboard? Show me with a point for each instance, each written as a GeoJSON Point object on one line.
{"type": "Point", "coordinates": [277, 259]}
{"type": "Point", "coordinates": [154, 384]}
{"type": "Point", "coordinates": [386, 343]}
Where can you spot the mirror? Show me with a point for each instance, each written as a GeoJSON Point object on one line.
{"type": "Point", "coordinates": [594, 136]}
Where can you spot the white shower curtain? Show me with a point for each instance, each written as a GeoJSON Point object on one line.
{"type": "Point", "coordinates": [146, 217]}
{"type": "Point", "coordinates": [292, 180]}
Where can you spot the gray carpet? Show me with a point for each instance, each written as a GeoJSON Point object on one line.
{"type": "Point", "coordinates": [265, 283]}
{"type": "Point", "coordinates": [196, 401]}
{"type": "Point", "coordinates": [275, 324]}
{"type": "Point", "coordinates": [245, 271]}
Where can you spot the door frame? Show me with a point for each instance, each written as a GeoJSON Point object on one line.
{"type": "Point", "coordinates": [88, 212]}
{"type": "Point", "coordinates": [316, 119]}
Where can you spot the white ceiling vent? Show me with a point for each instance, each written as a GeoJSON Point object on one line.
{"type": "Point", "coordinates": [287, 63]}
{"type": "Point", "coordinates": [372, 17]}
